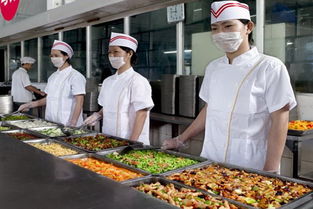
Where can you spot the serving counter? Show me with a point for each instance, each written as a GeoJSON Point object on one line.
{"type": "Point", "coordinates": [31, 178]}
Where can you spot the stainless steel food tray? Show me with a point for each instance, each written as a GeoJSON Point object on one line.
{"type": "Point", "coordinates": [3, 124]}
{"type": "Point", "coordinates": [131, 143]}
{"type": "Point", "coordinates": [18, 114]}
{"type": "Point", "coordinates": [154, 179]}
{"type": "Point", "coordinates": [50, 141]}
{"type": "Point", "coordinates": [36, 130]}
{"type": "Point", "coordinates": [291, 205]}
{"type": "Point", "coordinates": [107, 160]}
{"type": "Point", "coordinates": [22, 131]}
{"type": "Point", "coordinates": [13, 123]}
{"type": "Point", "coordinates": [178, 154]}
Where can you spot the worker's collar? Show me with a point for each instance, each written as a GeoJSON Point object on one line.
{"type": "Point", "coordinates": [243, 58]}
{"type": "Point", "coordinates": [65, 70]}
{"type": "Point", "coordinates": [125, 74]}
{"type": "Point", "coordinates": [23, 69]}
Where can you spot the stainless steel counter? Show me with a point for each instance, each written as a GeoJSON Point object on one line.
{"type": "Point", "coordinates": [31, 178]}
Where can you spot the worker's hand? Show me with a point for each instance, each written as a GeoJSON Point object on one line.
{"type": "Point", "coordinates": [71, 123]}
{"type": "Point", "coordinates": [93, 119]}
{"type": "Point", "coordinates": [26, 107]}
{"type": "Point", "coordinates": [175, 143]}
{"type": "Point", "coordinates": [42, 93]}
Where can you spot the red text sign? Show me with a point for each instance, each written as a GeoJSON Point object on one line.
{"type": "Point", "coordinates": [9, 8]}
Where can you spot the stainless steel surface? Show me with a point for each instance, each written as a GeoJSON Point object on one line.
{"type": "Point", "coordinates": [15, 123]}
{"type": "Point", "coordinates": [187, 95]}
{"type": "Point", "coordinates": [291, 205]}
{"type": "Point", "coordinates": [6, 104]}
{"type": "Point", "coordinates": [169, 96]}
{"type": "Point", "coordinates": [163, 181]}
{"type": "Point", "coordinates": [34, 179]}
{"type": "Point", "coordinates": [131, 143]}
{"type": "Point", "coordinates": [18, 114]}
{"type": "Point", "coordinates": [200, 102]}
{"type": "Point", "coordinates": [37, 136]}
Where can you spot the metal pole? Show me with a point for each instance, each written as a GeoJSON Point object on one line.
{"type": "Point", "coordinates": [127, 25]}
{"type": "Point", "coordinates": [22, 48]}
{"type": "Point", "coordinates": [259, 30]}
{"type": "Point", "coordinates": [88, 52]}
{"type": "Point", "coordinates": [180, 68]}
{"type": "Point", "coordinates": [39, 58]}
{"type": "Point", "coordinates": [60, 36]}
{"type": "Point", "coordinates": [7, 70]}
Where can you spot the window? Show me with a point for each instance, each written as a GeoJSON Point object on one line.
{"type": "Point", "coordinates": [101, 34]}
{"type": "Point", "coordinates": [15, 56]}
{"type": "Point", "coordinates": [47, 67]}
{"type": "Point", "coordinates": [77, 40]}
{"type": "Point", "coordinates": [157, 44]}
{"type": "Point", "coordinates": [31, 51]}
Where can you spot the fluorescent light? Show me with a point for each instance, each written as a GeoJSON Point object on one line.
{"type": "Point", "coordinates": [197, 10]}
{"type": "Point", "coordinates": [174, 52]}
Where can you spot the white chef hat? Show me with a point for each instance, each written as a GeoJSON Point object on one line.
{"type": "Point", "coordinates": [64, 47]}
{"type": "Point", "coordinates": [27, 60]}
{"type": "Point", "coordinates": [229, 10]}
{"type": "Point", "coordinates": [120, 39]}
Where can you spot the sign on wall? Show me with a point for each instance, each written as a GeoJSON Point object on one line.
{"type": "Point", "coordinates": [9, 8]}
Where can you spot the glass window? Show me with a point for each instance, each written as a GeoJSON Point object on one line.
{"type": "Point", "coordinates": [101, 33]}
{"type": "Point", "coordinates": [288, 36]}
{"type": "Point", "coordinates": [77, 40]}
{"type": "Point", "coordinates": [47, 67]}
{"type": "Point", "coordinates": [157, 44]}
{"type": "Point", "coordinates": [15, 56]}
{"type": "Point", "coordinates": [31, 51]}
{"type": "Point", "coordinates": [199, 49]}
{"type": "Point", "coordinates": [2, 63]}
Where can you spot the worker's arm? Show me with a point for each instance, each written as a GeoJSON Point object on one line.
{"type": "Point", "coordinates": [79, 101]}
{"type": "Point", "coordinates": [35, 90]}
{"type": "Point", "coordinates": [141, 116]}
{"type": "Point", "coordinates": [276, 139]}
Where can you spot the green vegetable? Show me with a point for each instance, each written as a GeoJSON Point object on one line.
{"type": "Point", "coordinates": [15, 117]}
{"type": "Point", "coordinates": [250, 200]}
{"type": "Point", "coordinates": [3, 128]}
{"type": "Point", "coordinates": [152, 161]}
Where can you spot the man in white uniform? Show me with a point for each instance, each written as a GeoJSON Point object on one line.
{"type": "Point", "coordinates": [248, 96]}
{"type": "Point", "coordinates": [126, 96]}
{"type": "Point", "coordinates": [22, 89]}
{"type": "Point", "coordinates": [65, 89]}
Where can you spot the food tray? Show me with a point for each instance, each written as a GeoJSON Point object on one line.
{"type": "Point", "coordinates": [178, 154]}
{"type": "Point", "coordinates": [292, 132]}
{"type": "Point", "coordinates": [3, 124]}
{"type": "Point", "coordinates": [107, 160]}
{"type": "Point", "coordinates": [15, 123]}
{"type": "Point", "coordinates": [131, 143]}
{"type": "Point", "coordinates": [154, 179]}
{"type": "Point", "coordinates": [49, 141]}
{"type": "Point", "coordinates": [22, 131]}
{"type": "Point", "coordinates": [18, 114]}
{"type": "Point", "coordinates": [290, 205]}
{"type": "Point", "coordinates": [36, 130]}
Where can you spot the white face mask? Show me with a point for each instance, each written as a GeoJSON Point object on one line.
{"type": "Point", "coordinates": [117, 62]}
{"type": "Point", "coordinates": [228, 42]}
{"type": "Point", "coordinates": [57, 61]}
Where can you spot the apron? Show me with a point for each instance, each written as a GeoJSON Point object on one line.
{"type": "Point", "coordinates": [60, 102]}
{"type": "Point", "coordinates": [228, 113]}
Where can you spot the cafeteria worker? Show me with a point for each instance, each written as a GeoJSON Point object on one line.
{"type": "Point", "coordinates": [125, 97]}
{"type": "Point", "coordinates": [65, 89]}
{"type": "Point", "coordinates": [248, 97]}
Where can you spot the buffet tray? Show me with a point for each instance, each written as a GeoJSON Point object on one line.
{"type": "Point", "coordinates": [36, 130]}
{"type": "Point", "coordinates": [50, 141]}
{"type": "Point", "coordinates": [18, 114]}
{"type": "Point", "coordinates": [178, 154]}
{"type": "Point", "coordinates": [131, 143]}
{"type": "Point", "coordinates": [107, 160]}
{"type": "Point", "coordinates": [3, 124]}
{"type": "Point", "coordinates": [291, 205]}
{"type": "Point", "coordinates": [13, 123]}
{"type": "Point", "coordinates": [162, 180]}
{"type": "Point", "coordinates": [292, 132]}
{"type": "Point", "coordinates": [38, 136]}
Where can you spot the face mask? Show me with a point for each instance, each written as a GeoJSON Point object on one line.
{"type": "Point", "coordinates": [117, 62]}
{"type": "Point", "coordinates": [228, 42]}
{"type": "Point", "coordinates": [57, 61]}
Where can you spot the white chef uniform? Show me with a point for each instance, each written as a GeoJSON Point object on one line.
{"type": "Point", "coordinates": [61, 90]}
{"type": "Point", "coordinates": [20, 80]}
{"type": "Point", "coordinates": [237, 126]}
{"type": "Point", "coordinates": [121, 96]}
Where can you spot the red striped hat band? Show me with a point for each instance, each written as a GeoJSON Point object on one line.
{"type": "Point", "coordinates": [225, 6]}
{"type": "Point", "coordinates": [63, 44]}
{"type": "Point", "coordinates": [124, 37]}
